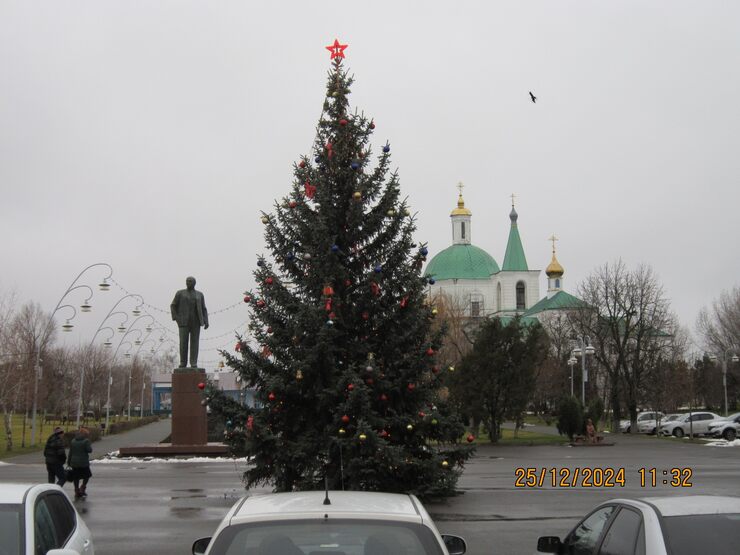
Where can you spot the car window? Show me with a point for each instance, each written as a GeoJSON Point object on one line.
{"type": "Point", "coordinates": [718, 534]}
{"type": "Point", "coordinates": [706, 416]}
{"type": "Point", "coordinates": [348, 536]}
{"type": "Point", "coordinates": [65, 519]}
{"type": "Point", "coordinates": [11, 528]}
{"type": "Point", "coordinates": [584, 539]}
{"type": "Point", "coordinates": [646, 416]}
{"type": "Point", "coordinates": [622, 535]}
{"type": "Point", "coordinates": [44, 531]}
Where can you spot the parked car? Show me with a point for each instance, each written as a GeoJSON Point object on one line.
{"type": "Point", "coordinates": [647, 423]}
{"type": "Point", "coordinates": [679, 525]}
{"type": "Point", "coordinates": [334, 522]}
{"type": "Point", "coordinates": [690, 422]}
{"type": "Point", "coordinates": [40, 519]}
{"type": "Point", "coordinates": [726, 427]}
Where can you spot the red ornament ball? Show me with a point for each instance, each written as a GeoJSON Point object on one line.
{"type": "Point", "coordinates": [411, 386]}
{"type": "Point", "coordinates": [271, 396]}
{"type": "Point", "coordinates": [384, 434]}
{"type": "Point", "coordinates": [422, 414]}
{"type": "Point", "coordinates": [292, 204]}
{"type": "Point", "coordinates": [269, 330]}
{"type": "Point", "coordinates": [369, 381]}
{"type": "Point", "coordinates": [201, 386]}
{"type": "Point", "coordinates": [435, 369]}
{"type": "Point", "coordinates": [365, 315]}
{"type": "Point", "coordinates": [238, 347]}
{"type": "Point", "coordinates": [247, 299]}
{"type": "Point", "coordinates": [260, 303]}
{"type": "Point", "coordinates": [350, 387]}
{"type": "Point", "coordinates": [347, 282]}
{"type": "Point", "coordinates": [372, 125]}
{"type": "Point", "coordinates": [430, 352]}
{"type": "Point", "coordinates": [302, 164]}
{"type": "Point", "coordinates": [269, 281]}
{"type": "Point", "coordinates": [345, 419]}
{"type": "Point", "coordinates": [470, 438]}
{"type": "Point", "coordinates": [343, 122]}
{"type": "Point", "coordinates": [383, 397]}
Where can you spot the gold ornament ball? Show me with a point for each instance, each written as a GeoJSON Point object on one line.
{"type": "Point", "coordinates": [407, 212]}
{"type": "Point", "coordinates": [363, 437]}
{"type": "Point", "coordinates": [435, 312]}
{"type": "Point", "coordinates": [299, 375]}
{"type": "Point", "coordinates": [445, 464]}
{"type": "Point", "coordinates": [434, 421]}
{"type": "Point", "coordinates": [265, 219]}
{"type": "Point", "coordinates": [357, 195]}
{"type": "Point", "coordinates": [391, 213]}
{"type": "Point", "coordinates": [342, 431]}
{"type": "Point", "coordinates": [409, 427]}
{"type": "Point", "coordinates": [451, 369]}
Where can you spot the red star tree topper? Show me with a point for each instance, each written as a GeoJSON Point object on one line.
{"type": "Point", "coordinates": [336, 49]}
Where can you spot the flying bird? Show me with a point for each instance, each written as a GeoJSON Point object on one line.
{"type": "Point", "coordinates": [534, 98]}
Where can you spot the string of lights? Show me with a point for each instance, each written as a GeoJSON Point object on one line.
{"type": "Point", "coordinates": [162, 311]}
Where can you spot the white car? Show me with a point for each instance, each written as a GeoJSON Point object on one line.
{"type": "Point", "coordinates": [727, 428]}
{"type": "Point", "coordinates": [647, 423]}
{"type": "Point", "coordinates": [679, 525]}
{"type": "Point", "coordinates": [691, 422]}
{"type": "Point", "coordinates": [334, 522]}
{"type": "Point", "coordinates": [40, 519]}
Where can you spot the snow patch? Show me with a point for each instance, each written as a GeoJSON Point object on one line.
{"type": "Point", "coordinates": [114, 458]}
{"type": "Point", "coordinates": [5, 464]}
{"type": "Point", "coordinates": [724, 443]}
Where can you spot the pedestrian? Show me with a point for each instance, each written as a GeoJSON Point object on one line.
{"type": "Point", "coordinates": [79, 459]}
{"type": "Point", "coordinates": [55, 457]}
{"type": "Point", "coordinates": [590, 431]}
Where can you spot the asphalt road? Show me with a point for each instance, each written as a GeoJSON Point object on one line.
{"type": "Point", "coordinates": [149, 507]}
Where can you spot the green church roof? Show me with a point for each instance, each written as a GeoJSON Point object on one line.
{"type": "Point", "coordinates": [514, 259]}
{"type": "Point", "coordinates": [559, 301]}
{"type": "Point", "coordinates": [462, 262]}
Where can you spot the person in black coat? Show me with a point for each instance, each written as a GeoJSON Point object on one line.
{"type": "Point", "coordinates": [79, 459]}
{"type": "Point", "coordinates": [55, 457]}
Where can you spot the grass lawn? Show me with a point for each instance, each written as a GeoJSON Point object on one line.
{"type": "Point", "coordinates": [523, 438]}
{"type": "Point", "coordinates": [43, 431]}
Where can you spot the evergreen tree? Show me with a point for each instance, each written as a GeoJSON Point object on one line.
{"type": "Point", "coordinates": [343, 353]}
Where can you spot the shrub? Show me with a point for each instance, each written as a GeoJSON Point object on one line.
{"type": "Point", "coordinates": [595, 411]}
{"type": "Point", "coordinates": [570, 417]}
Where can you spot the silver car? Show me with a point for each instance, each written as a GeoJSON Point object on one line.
{"type": "Point", "coordinates": [726, 428]}
{"type": "Point", "coordinates": [40, 518]}
{"type": "Point", "coordinates": [331, 523]}
{"type": "Point", "coordinates": [681, 525]}
{"type": "Point", "coordinates": [691, 422]}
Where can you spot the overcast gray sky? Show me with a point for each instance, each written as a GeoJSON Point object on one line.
{"type": "Point", "coordinates": [150, 134]}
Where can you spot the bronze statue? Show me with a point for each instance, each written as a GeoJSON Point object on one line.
{"type": "Point", "coordinates": [189, 311]}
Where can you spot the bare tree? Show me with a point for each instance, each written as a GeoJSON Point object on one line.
{"type": "Point", "coordinates": [719, 325]}
{"type": "Point", "coordinates": [628, 319]}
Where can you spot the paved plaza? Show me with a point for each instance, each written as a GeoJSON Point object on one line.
{"type": "Point", "coordinates": [156, 507]}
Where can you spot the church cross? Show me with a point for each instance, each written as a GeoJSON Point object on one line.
{"type": "Point", "coordinates": [512, 198]}
{"type": "Point", "coordinates": [460, 187]}
{"type": "Point", "coordinates": [553, 239]}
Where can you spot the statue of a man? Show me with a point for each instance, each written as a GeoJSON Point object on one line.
{"type": "Point", "coordinates": [189, 311]}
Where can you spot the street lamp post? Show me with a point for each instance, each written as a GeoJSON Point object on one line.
{"type": "Point", "coordinates": [583, 350]}
{"type": "Point", "coordinates": [143, 388]}
{"type": "Point", "coordinates": [725, 355]}
{"type": "Point", "coordinates": [66, 327]}
{"type": "Point", "coordinates": [571, 364]}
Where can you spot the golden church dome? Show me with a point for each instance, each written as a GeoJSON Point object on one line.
{"type": "Point", "coordinates": [554, 269]}
{"type": "Point", "coordinates": [461, 210]}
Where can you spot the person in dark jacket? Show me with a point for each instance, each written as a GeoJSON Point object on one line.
{"type": "Point", "coordinates": [79, 459]}
{"type": "Point", "coordinates": [55, 457]}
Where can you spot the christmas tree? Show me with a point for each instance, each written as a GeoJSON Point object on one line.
{"type": "Point", "coordinates": [344, 341]}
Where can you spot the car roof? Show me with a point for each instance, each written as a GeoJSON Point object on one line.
{"type": "Point", "coordinates": [344, 503]}
{"type": "Point", "coordinates": [694, 504]}
{"type": "Point", "coordinates": [13, 493]}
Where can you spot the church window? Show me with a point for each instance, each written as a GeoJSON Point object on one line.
{"type": "Point", "coordinates": [520, 296]}
{"type": "Point", "coordinates": [498, 297]}
{"type": "Point", "coordinates": [557, 283]}
{"type": "Point", "coordinates": [462, 230]}
{"type": "Point", "coordinates": [475, 309]}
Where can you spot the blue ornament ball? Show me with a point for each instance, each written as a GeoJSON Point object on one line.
{"type": "Point", "coordinates": [378, 269]}
{"type": "Point", "coordinates": [317, 159]}
{"type": "Point", "coordinates": [431, 281]}
{"type": "Point", "coordinates": [424, 251]}
{"type": "Point", "coordinates": [335, 248]}
{"type": "Point", "coordinates": [289, 256]}
{"type": "Point", "coordinates": [355, 165]}
{"type": "Point", "coordinates": [229, 423]}
{"type": "Point", "coordinates": [260, 263]}
{"type": "Point", "coordinates": [386, 148]}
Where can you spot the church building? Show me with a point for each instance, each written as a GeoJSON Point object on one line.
{"type": "Point", "coordinates": [474, 280]}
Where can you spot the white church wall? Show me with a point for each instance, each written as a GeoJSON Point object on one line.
{"type": "Point", "coordinates": [463, 291]}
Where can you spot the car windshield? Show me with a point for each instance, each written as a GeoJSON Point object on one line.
{"type": "Point", "coordinates": [335, 536]}
{"type": "Point", "coordinates": [718, 534]}
{"type": "Point", "coordinates": [671, 417]}
{"type": "Point", "coordinates": [10, 529]}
